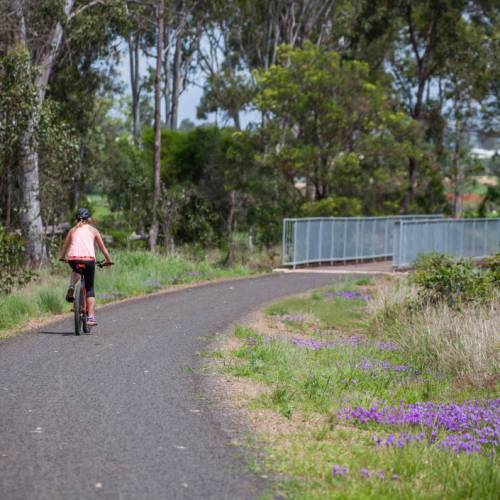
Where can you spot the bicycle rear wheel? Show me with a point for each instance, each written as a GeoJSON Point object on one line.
{"type": "Point", "coordinates": [86, 328]}
{"type": "Point", "coordinates": [78, 308]}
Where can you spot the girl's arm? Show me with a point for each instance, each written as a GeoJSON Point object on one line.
{"type": "Point", "coordinates": [66, 244]}
{"type": "Point", "coordinates": [101, 245]}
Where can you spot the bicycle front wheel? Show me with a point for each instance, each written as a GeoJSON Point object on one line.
{"type": "Point", "coordinates": [78, 309]}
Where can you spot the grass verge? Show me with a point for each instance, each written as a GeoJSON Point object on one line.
{"type": "Point", "coordinates": [134, 273]}
{"type": "Point", "coordinates": [345, 412]}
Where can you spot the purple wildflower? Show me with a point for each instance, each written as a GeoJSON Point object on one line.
{"type": "Point", "coordinates": [310, 343]}
{"type": "Point", "coordinates": [346, 294]}
{"type": "Point", "coordinates": [367, 364]}
{"type": "Point", "coordinates": [469, 427]}
{"type": "Point", "coordinates": [338, 470]}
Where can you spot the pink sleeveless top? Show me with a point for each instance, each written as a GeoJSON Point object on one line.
{"type": "Point", "coordinates": [82, 244]}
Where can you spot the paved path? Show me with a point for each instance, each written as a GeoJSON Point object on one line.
{"type": "Point", "coordinates": [121, 414]}
{"type": "Point", "coordinates": [377, 267]}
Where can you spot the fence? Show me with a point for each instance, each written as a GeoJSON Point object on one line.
{"type": "Point", "coordinates": [333, 239]}
{"type": "Point", "coordinates": [475, 238]}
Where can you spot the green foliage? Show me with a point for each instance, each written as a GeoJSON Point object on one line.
{"type": "Point", "coordinates": [330, 123]}
{"type": "Point", "coordinates": [493, 264]}
{"type": "Point", "coordinates": [12, 270]}
{"type": "Point", "coordinates": [440, 278]}
{"type": "Point", "coordinates": [340, 206]}
{"type": "Point", "coordinates": [17, 95]}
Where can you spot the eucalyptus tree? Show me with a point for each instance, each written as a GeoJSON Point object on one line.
{"type": "Point", "coordinates": [38, 28]}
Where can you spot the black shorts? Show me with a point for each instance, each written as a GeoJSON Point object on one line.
{"type": "Point", "coordinates": [88, 273]}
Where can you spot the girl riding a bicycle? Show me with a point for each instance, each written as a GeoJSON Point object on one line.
{"type": "Point", "coordinates": [78, 250]}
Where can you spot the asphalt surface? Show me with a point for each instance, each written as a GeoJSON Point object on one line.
{"type": "Point", "coordinates": [121, 413]}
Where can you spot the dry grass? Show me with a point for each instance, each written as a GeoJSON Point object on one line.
{"type": "Point", "coordinates": [464, 342]}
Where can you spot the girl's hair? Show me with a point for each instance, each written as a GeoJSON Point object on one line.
{"type": "Point", "coordinates": [80, 223]}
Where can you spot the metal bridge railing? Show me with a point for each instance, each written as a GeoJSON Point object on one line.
{"type": "Point", "coordinates": [476, 238]}
{"type": "Point", "coordinates": [333, 239]}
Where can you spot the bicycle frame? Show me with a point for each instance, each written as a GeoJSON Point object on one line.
{"type": "Point", "coordinates": [81, 307]}
{"type": "Point", "coordinates": [80, 298]}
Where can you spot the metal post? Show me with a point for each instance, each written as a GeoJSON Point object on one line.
{"type": "Point", "coordinates": [462, 238]}
{"type": "Point", "coordinates": [401, 228]}
{"type": "Point", "coordinates": [362, 240]}
{"type": "Point", "coordinates": [485, 238]}
{"type": "Point", "coordinates": [497, 239]}
{"type": "Point", "coordinates": [307, 240]}
{"type": "Point", "coordinates": [332, 241]}
{"type": "Point", "coordinates": [320, 238]}
{"type": "Point", "coordinates": [474, 238]}
{"type": "Point", "coordinates": [386, 237]}
{"type": "Point", "coordinates": [356, 240]}
{"type": "Point", "coordinates": [283, 243]}
{"type": "Point", "coordinates": [345, 238]}
{"type": "Point", "coordinates": [374, 222]}
{"type": "Point", "coordinates": [295, 224]}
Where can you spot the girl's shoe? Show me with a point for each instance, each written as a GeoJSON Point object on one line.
{"type": "Point", "coordinates": [91, 321]}
{"type": "Point", "coordinates": [70, 294]}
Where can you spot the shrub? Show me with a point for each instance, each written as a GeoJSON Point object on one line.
{"type": "Point", "coordinates": [332, 207]}
{"type": "Point", "coordinates": [12, 270]}
{"type": "Point", "coordinates": [458, 341]}
{"type": "Point", "coordinates": [493, 264]}
{"type": "Point", "coordinates": [440, 278]}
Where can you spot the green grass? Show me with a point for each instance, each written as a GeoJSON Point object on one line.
{"type": "Point", "coordinates": [331, 313]}
{"type": "Point", "coordinates": [100, 206]}
{"type": "Point", "coordinates": [306, 383]}
{"type": "Point", "coordinates": [134, 273]}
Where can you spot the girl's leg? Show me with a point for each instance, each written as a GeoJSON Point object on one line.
{"type": "Point", "coordinates": [91, 306]}
{"type": "Point", "coordinates": [73, 279]}
{"type": "Point", "coordinates": [89, 287]}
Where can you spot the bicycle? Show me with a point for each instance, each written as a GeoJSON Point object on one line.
{"type": "Point", "coordinates": [80, 295]}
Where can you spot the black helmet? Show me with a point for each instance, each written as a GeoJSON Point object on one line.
{"type": "Point", "coordinates": [82, 214]}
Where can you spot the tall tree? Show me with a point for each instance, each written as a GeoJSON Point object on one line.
{"type": "Point", "coordinates": [160, 33]}
{"type": "Point", "coordinates": [38, 27]}
{"type": "Point", "coordinates": [327, 122]}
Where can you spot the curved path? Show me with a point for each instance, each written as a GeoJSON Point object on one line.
{"type": "Point", "coordinates": [120, 414]}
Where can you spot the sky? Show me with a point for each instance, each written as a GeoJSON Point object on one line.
{"type": "Point", "coordinates": [189, 99]}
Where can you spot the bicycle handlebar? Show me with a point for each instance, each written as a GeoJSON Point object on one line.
{"type": "Point", "coordinates": [103, 263]}
{"type": "Point", "coordinates": [99, 263]}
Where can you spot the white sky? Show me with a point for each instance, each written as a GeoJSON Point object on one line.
{"type": "Point", "coordinates": [189, 99]}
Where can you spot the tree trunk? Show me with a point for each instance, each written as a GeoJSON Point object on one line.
{"type": "Point", "coordinates": [7, 207]}
{"type": "Point", "coordinates": [424, 74]}
{"type": "Point", "coordinates": [133, 52]}
{"type": "Point", "coordinates": [456, 173]}
{"type": "Point", "coordinates": [168, 240]}
{"type": "Point", "coordinates": [231, 226]}
{"type": "Point", "coordinates": [235, 115]}
{"type": "Point", "coordinates": [176, 82]}
{"type": "Point", "coordinates": [153, 230]}
{"type": "Point", "coordinates": [76, 194]}
{"type": "Point", "coordinates": [167, 90]}
{"type": "Point", "coordinates": [31, 217]}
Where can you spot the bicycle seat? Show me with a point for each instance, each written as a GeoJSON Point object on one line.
{"type": "Point", "coordinates": [80, 266]}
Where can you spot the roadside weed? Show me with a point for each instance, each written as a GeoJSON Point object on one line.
{"type": "Point", "coordinates": [346, 394]}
